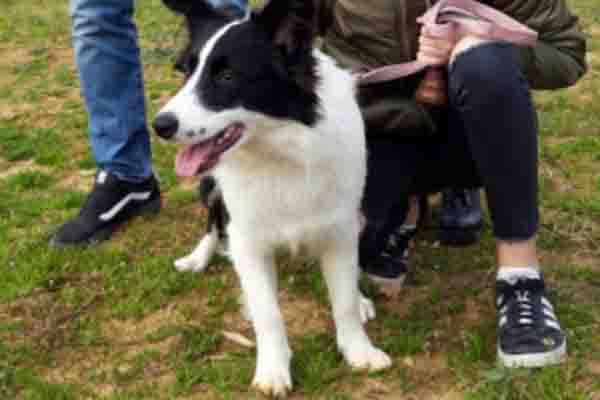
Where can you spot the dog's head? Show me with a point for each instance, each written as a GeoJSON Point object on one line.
{"type": "Point", "coordinates": [239, 72]}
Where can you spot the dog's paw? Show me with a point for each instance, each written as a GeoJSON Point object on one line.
{"type": "Point", "coordinates": [367, 309]}
{"type": "Point", "coordinates": [273, 378]}
{"type": "Point", "coordinates": [367, 357]}
{"type": "Point", "coordinates": [199, 259]}
{"type": "Point", "coordinates": [191, 263]}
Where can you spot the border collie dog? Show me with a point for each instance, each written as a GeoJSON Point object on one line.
{"type": "Point", "coordinates": [276, 123]}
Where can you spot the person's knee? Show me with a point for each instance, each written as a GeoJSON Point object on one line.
{"type": "Point", "coordinates": [465, 44]}
{"type": "Point", "coordinates": [484, 69]}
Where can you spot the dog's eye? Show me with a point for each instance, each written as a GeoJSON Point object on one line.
{"type": "Point", "coordinates": [225, 76]}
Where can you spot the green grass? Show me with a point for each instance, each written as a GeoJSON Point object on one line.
{"type": "Point", "coordinates": [117, 322]}
{"type": "Point", "coordinates": [42, 145]}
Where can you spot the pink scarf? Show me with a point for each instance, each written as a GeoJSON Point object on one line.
{"type": "Point", "coordinates": [456, 19]}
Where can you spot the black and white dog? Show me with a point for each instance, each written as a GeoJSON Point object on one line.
{"type": "Point", "coordinates": [277, 124]}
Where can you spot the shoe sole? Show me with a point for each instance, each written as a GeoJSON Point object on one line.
{"type": "Point", "coordinates": [536, 360]}
{"type": "Point", "coordinates": [389, 287]}
{"type": "Point", "coordinates": [106, 232]}
{"type": "Point", "coordinates": [459, 237]}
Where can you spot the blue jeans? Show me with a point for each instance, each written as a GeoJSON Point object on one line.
{"type": "Point", "coordinates": [108, 59]}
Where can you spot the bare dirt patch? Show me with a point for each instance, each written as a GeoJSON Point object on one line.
{"type": "Point", "coordinates": [11, 111]}
{"type": "Point", "coordinates": [594, 367]}
{"type": "Point", "coordinates": [16, 167]}
{"type": "Point", "coordinates": [58, 56]}
{"type": "Point", "coordinates": [594, 30]}
{"type": "Point", "coordinates": [78, 180]}
{"type": "Point", "coordinates": [593, 59]}
{"type": "Point", "coordinates": [124, 340]}
{"type": "Point", "coordinates": [581, 94]}
{"type": "Point", "coordinates": [53, 108]}
{"type": "Point", "coordinates": [9, 57]}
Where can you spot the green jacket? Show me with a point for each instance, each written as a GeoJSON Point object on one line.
{"type": "Point", "coordinates": [365, 34]}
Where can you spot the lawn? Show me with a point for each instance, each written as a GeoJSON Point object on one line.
{"type": "Point", "coordinates": [117, 322]}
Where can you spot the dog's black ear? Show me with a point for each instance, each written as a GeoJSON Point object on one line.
{"type": "Point", "coordinates": [182, 62]}
{"type": "Point", "coordinates": [290, 23]}
{"type": "Point", "coordinates": [190, 7]}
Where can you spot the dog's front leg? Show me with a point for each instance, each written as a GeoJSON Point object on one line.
{"type": "Point", "coordinates": [340, 269]}
{"type": "Point", "coordinates": [259, 284]}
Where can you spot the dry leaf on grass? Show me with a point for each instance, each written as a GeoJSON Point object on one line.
{"type": "Point", "coordinates": [239, 339]}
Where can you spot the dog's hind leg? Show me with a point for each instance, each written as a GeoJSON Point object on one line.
{"type": "Point", "coordinates": [258, 279]}
{"type": "Point", "coordinates": [198, 260]}
{"type": "Point", "coordinates": [218, 218]}
{"type": "Point", "coordinates": [366, 306]}
{"type": "Point", "coordinates": [340, 269]}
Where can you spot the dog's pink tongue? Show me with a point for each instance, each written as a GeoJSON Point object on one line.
{"type": "Point", "coordinates": [190, 160]}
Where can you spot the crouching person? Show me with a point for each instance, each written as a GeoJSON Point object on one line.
{"type": "Point", "coordinates": [485, 136]}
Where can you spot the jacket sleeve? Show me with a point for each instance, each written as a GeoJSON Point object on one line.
{"type": "Point", "coordinates": [324, 15]}
{"type": "Point", "coordinates": [558, 59]}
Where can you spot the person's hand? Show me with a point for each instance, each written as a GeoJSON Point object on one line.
{"type": "Point", "coordinates": [434, 51]}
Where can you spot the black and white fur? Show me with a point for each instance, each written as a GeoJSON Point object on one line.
{"type": "Point", "coordinates": [295, 177]}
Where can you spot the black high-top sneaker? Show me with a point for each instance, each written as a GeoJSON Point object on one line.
{"type": "Point", "coordinates": [389, 269]}
{"type": "Point", "coordinates": [110, 203]}
{"type": "Point", "coordinates": [529, 334]}
{"type": "Point", "coordinates": [461, 218]}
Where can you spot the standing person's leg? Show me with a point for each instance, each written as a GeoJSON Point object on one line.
{"type": "Point", "coordinates": [491, 96]}
{"type": "Point", "coordinates": [110, 71]}
{"type": "Point", "coordinates": [237, 7]}
{"type": "Point", "coordinates": [108, 60]}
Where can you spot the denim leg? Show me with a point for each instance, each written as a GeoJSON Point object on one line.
{"type": "Point", "coordinates": [239, 6]}
{"type": "Point", "coordinates": [492, 98]}
{"type": "Point", "coordinates": [108, 59]}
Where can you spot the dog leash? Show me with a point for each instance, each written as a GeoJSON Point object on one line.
{"type": "Point", "coordinates": [456, 19]}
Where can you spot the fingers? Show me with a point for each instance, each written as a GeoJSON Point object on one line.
{"type": "Point", "coordinates": [434, 51]}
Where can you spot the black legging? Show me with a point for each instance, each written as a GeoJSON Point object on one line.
{"type": "Point", "coordinates": [489, 139]}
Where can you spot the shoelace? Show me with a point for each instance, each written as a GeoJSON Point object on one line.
{"type": "Point", "coordinates": [457, 198]}
{"type": "Point", "coordinates": [524, 307]}
{"type": "Point", "coordinates": [520, 313]}
{"type": "Point", "coordinates": [399, 240]}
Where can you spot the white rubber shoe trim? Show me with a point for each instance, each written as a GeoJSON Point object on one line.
{"type": "Point", "coordinates": [537, 360]}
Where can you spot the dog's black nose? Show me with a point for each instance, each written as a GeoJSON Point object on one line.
{"type": "Point", "coordinates": [166, 125]}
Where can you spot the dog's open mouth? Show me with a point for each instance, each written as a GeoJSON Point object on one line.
{"type": "Point", "coordinates": [201, 157]}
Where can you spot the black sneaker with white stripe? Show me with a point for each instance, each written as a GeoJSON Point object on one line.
{"type": "Point", "coordinates": [529, 334]}
{"type": "Point", "coordinates": [111, 203]}
{"type": "Point", "coordinates": [389, 269]}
